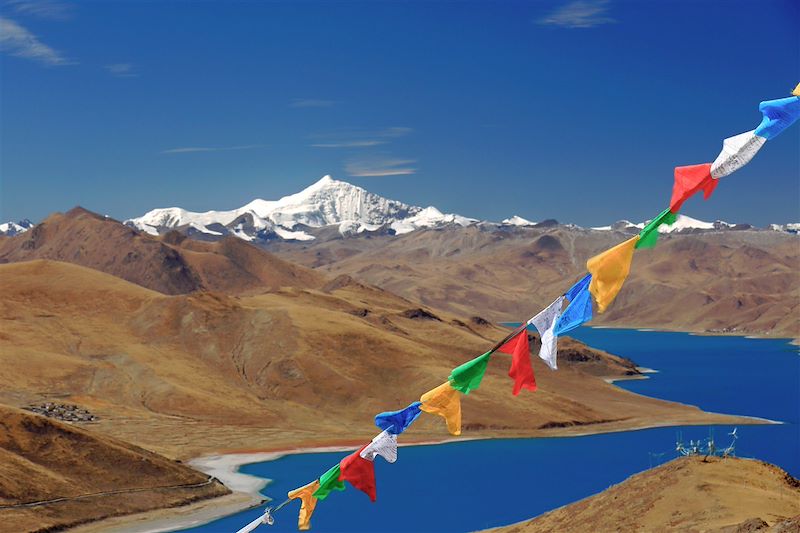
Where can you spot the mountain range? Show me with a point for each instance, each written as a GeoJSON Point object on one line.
{"type": "Point", "coordinates": [328, 205]}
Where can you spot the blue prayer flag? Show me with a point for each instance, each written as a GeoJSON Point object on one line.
{"type": "Point", "coordinates": [397, 421]}
{"type": "Point", "coordinates": [778, 115]}
{"type": "Point", "coordinates": [579, 309]}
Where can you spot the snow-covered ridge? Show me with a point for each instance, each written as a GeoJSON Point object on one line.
{"type": "Point", "coordinates": [327, 202]}
{"type": "Point", "coordinates": [681, 224]}
{"type": "Point", "coordinates": [793, 227]}
{"type": "Point", "coordinates": [9, 229]}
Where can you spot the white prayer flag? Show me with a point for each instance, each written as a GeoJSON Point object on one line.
{"type": "Point", "coordinates": [736, 152]}
{"type": "Point", "coordinates": [545, 323]}
{"type": "Point", "coordinates": [384, 445]}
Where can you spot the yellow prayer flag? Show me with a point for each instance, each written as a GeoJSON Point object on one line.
{"type": "Point", "coordinates": [309, 503]}
{"type": "Point", "coordinates": [609, 270]}
{"type": "Point", "coordinates": [796, 91]}
{"type": "Point", "coordinates": [444, 401]}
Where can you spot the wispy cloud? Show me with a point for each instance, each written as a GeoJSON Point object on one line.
{"type": "Point", "coordinates": [46, 9]}
{"type": "Point", "coordinates": [122, 70]}
{"type": "Point", "coordinates": [310, 102]}
{"type": "Point", "coordinates": [355, 138]}
{"type": "Point", "coordinates": [349, 144]}
{"type": "Point", "coordinates": [193, 149]}
{"type": "Point", "coordinates": [17, 41]}
{"type": "Point", "coordinates": [580, 14]}
{"type": "Point", "coordinates": [380, 166]}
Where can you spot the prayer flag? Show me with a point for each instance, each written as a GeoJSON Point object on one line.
{"type": "Point", "coordinates": [649, 235]}
{"type": "Point", "coordinates": [359, 472]}
{"type": "Point", "coordinates": [689, 180]}
{"type": "Point", "coordinates": [307, 505]}
{"type": "Point", "coordinates": [609, 270]}
{"type": "Point", "coordinates": [397, 421]}
{"type": "Point", "coordinates": [328, 482]}
{"type": "Point", "coordinates": [736, 152]}
{"type": "Point", "coordinates": [579, 309]}
{"type": "Point", "coordinates": [384, 445]}
{"type": "Point", "coordinates": [545, 323]}
{"type": "Point", "coordinates": [444, 401]}
{"type": "Point", "coordinates": [796, 91]}
{"type": "Point", "coordinates": [521, 370]}
{"type": "Point", "coordinates": [778, 115]}
{"type": "Point", "coordinates": [468, 376]}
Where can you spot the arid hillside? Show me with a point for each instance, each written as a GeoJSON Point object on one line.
{"type": "Point", "coordinates": [688, 495]}
{"type": "Point", "coordinates": [190, 374]}
{"type": "Point", "coordinates": [91, 476]}
{"type": "Point", "coordinates": [729, 281]}
{"type": "Point", "coordinates": [173, 265]}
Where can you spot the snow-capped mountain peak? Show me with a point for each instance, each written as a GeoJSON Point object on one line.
{"type": "Point", "coordinates": [9, 229]}
{"type": "Point", "coordinates": [324, 203]}
{"type": "Point", "coordinates": [517, 220]}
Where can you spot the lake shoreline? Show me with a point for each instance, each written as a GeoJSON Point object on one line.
{"type": "Point", "coordinates": [225, 464]}
{"type": "Point", "coordinates": [226, 467]}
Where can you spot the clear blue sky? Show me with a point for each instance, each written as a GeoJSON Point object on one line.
{"type": "Point", "coordinates": [570, 110]}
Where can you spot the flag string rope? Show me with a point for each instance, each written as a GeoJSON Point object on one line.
{"type": "Point", "coordinates": [607, 273]}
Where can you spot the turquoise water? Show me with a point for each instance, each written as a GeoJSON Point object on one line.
{"type": "Point", "coordinates": [480, 484]}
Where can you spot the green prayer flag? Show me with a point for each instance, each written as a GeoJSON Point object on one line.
{"type": "Point", "coordinates": [649, 235]}
{"type": "Point", "coordinates": [329, 481]}
{"type": "Point", "coordinates": [468, 376]}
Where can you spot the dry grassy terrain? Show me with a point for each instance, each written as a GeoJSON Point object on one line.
{"type": "Point", "coordinates": [740, 281]}
{"type": "Point", "coordinates": [89, 475]}
{"type": "Point", "coordinates": [689, 495]}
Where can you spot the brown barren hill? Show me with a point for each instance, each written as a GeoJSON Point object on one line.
{"type": "Point", "coordinates": [54, 475]}
{"type": "Point", "coordinates": [742, 281]}
{"type": "Point", "coordinates": [170, 266]}
{"type": "Point", "coordinates": [688, 494]}
{"type": "Point", "coordinates": [192, 374]}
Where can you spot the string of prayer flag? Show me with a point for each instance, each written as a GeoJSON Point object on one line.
{"type": "Point", "coordinates": [607, 273]}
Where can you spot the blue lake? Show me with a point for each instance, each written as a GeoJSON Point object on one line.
{"type": "Point", "coordinates": [473, 485]}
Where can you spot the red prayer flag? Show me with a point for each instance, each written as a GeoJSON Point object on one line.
{"type": "Point", "coordinates": [521, 370]}
{"type": "Point", "coordinates": [689, 180]}
{"type": "Point", "coordinates": [359, 472]}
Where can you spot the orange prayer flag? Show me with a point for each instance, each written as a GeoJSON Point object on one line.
{"type": "Point", "coordinates": [609, 270]}
{"type": "Point", "coordinates": [309, 503]}
{"type": "Point", "coordinates": [444, 401]}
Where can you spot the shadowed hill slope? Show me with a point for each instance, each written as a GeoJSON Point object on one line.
{"type": "Point", "coordinates": [688, 494]}
{"type": "Point", "coordinates": [91, 475]}
{"type": "Point", "coordinates": [170, 266]}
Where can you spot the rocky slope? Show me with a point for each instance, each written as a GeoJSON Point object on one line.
{"type": "Point", "coordinates": [688, 494]}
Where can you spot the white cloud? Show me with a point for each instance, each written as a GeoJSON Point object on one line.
{"type": "Point", "coordinates": [349, 144]}
{"type": "Point", "coordinates": [310, 102]}
{"type": "Point", "coordinates": [18, 41]}
{"type": "Point", "coordinates": [46, 9]}
{"type": "Point", "coordinates": [580, 14]}
{"type": "Point", "coordinates": [122, 70]}
{"type": "Point", "coordinates": [358, 138]}
{"type": "Point", "coordinates": [380, 167]}
{"type": "Point", "coordinates": [192, 149]}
